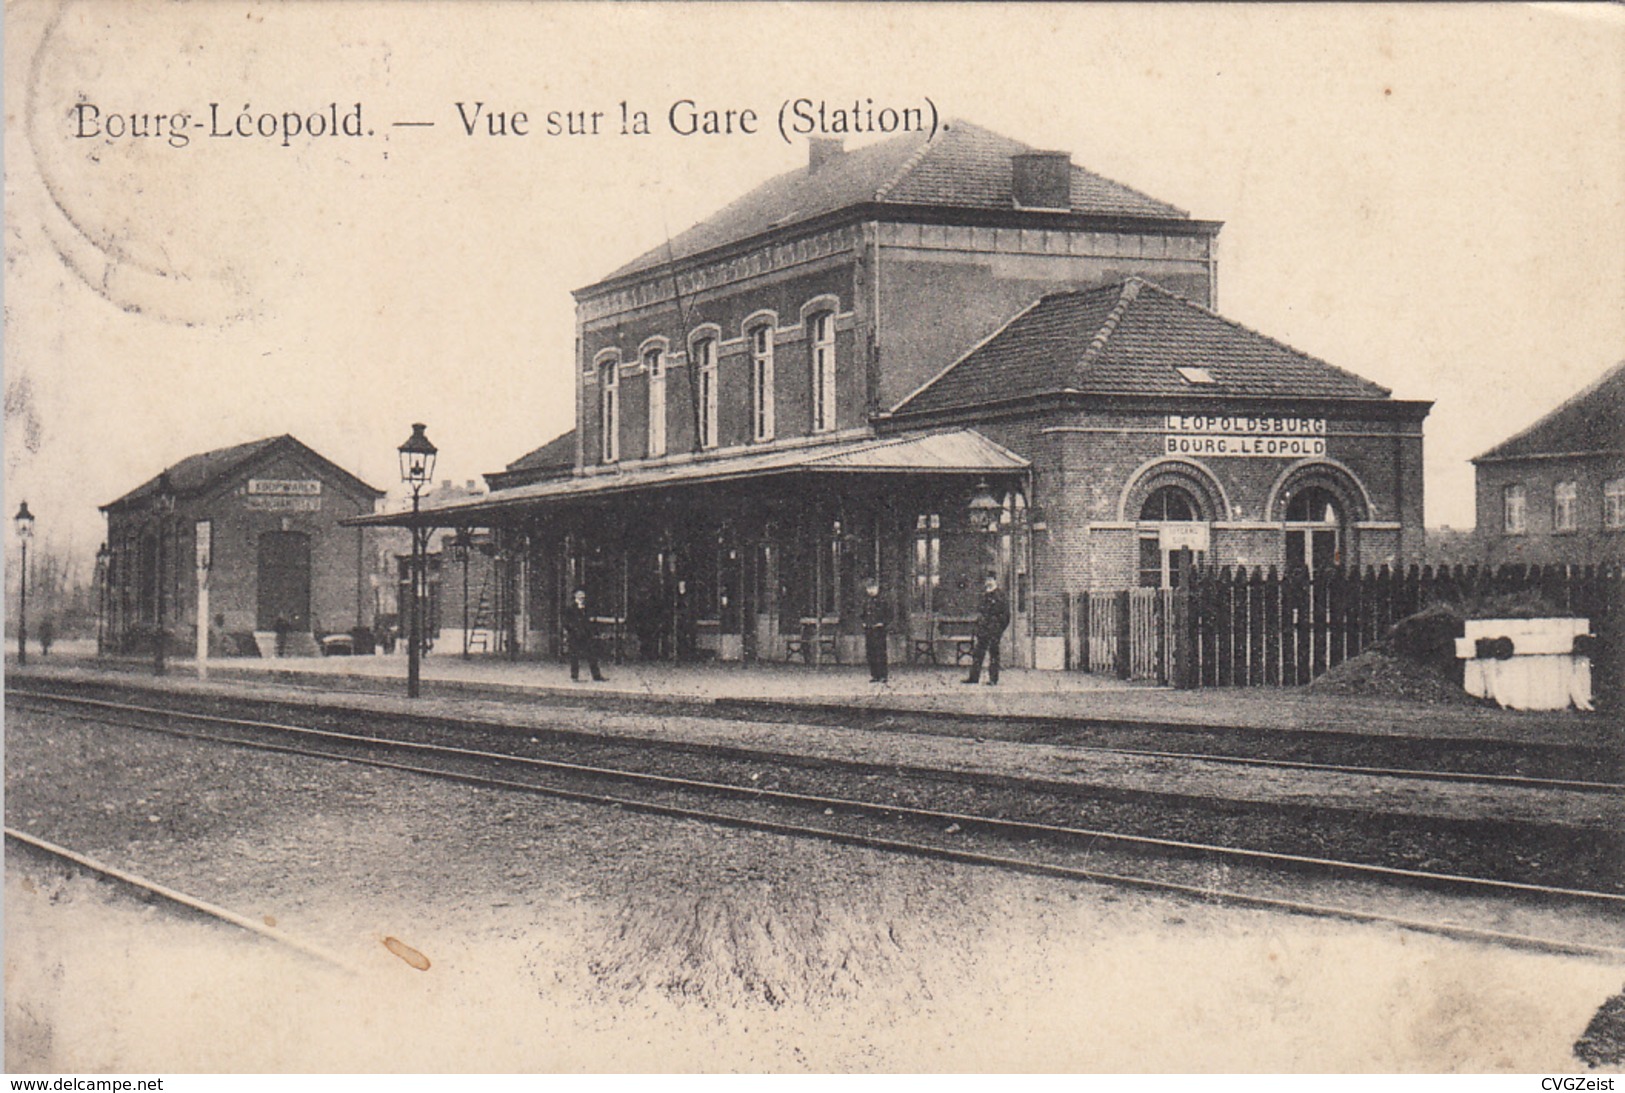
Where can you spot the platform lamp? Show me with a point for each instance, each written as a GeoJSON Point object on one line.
{"type": "Point", "coordinates": [985, 512]}
{"type": "Point", "coordinates": [163, 505]}
{"type": "Point", "coordinates": [25, 532]}
{"type": "Point", "coordinates": [417, 471]}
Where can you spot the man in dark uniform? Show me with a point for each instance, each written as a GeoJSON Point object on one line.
{"type": "Point", "coordinates": [578, 632]}
{"type": "Point", "coordinates": [991, 619]}
{"type": "Point", "coordinates": [876, 614]}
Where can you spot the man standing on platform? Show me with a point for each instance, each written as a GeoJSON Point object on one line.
{"type": "Point", "coordinates": [876, 614]}
{"type": "Point", "coordinates": [991, 620]}
{"type": "Point", "coordinates": [578, 631]}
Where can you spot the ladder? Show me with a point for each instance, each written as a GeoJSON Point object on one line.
{"type": "Point", "coordinates": [480, 630]}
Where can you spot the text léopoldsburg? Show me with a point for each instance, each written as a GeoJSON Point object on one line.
{"type": "Point", "coordinates": [1244, 435]}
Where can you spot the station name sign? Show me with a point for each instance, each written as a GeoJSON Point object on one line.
{"type": "Point", "coordinates": [1240, 435]}
{"type": "Point", "coordinates": [285, 487]}
{"type": "Point", "coordinates": [284, 495]}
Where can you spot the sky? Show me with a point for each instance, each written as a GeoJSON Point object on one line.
{"type": "Point", "coordinates": [1432, 197]}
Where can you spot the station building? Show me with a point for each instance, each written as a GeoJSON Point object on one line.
{"type": "Point", "coordinates": [269, 513]}
{"type": "Point", "coordinates": [1555, 492]}
{"type": "Point", "coordinates": [923, 361]}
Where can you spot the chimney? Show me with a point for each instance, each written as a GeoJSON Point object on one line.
{"type": "Point", "coordinates": [1041, 180]}
{"type": "Point", "coordinates": [823, 150]}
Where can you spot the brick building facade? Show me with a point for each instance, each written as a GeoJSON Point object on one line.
{"type": "Point", "coordinates": [922, 361]}
{"type": "Point", "coordinates": [279, 554]}
{"type": "Point", "coordinates": [1555, 492]}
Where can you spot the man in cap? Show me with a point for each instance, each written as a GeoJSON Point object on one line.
{"type": "Point", "coordinates": [992, 617]}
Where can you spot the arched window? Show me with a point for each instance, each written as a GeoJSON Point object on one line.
{"type": "Point", "coordinates": [1168, 503]}
{"type": "Point", "coordinates": [1162, 549]}
{"type": "Point", "coordinates": [704, 357]}
{"type": "Point", "coordinates": [1314, 533]}
{"type": "Point", "coordinates": [761, 382]}
{"type": "Point", "coordinates": [822, 329]}
{"type": "Point", "coordinates": [609, 410]}
{"type": "Point", "coordinates": [654, 366]}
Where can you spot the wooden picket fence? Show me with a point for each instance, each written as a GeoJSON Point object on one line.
{"type": "Point", "coordinates": [1239, 627]}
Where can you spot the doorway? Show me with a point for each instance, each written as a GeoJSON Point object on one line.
{"type": "Point", "coordinates": [284, 581]}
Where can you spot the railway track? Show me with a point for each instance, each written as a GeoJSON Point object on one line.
{"type": "Point", "coordinates": [910, 721]}
{"type": "Point", "coordinates": [1020, 844]}
{"type": "Point", "coordinates": [186, 903]}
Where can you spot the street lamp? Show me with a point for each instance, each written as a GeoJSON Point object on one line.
{"type": "Point", "coordinates": [417, 470]}
{"type": "Point", "coordinates": [25, 532]}
{"type": "Point", "coordinates": [163, 503]}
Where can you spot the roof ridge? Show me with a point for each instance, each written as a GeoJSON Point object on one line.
{"type": "Point", "coordinates": [1295, 351]}
{"type": "Point", "coordinates": [1584, 393]}
{"type": "Point", "coordinates": [951, 125]}
{"type": "Point", "coordinates": [1126, 297]}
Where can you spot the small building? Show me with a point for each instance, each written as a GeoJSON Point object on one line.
{"type": "Point", "coordinates": [925, 361]}
{"type": "Point", "coordinates": [269, 514]}
{"type": "Point", "coordinates": [1555, 492]}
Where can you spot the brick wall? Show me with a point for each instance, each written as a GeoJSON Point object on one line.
{"type": "Point", "coordinates": [1092, 470]}
{"type": "Point", "coordinates": [784, 294]}
{"type": "Point", "coordinates": [340, 595]}
{"type": "Point", "coordinates": [1540, 544]}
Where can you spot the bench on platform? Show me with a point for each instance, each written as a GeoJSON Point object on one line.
{"type": "Point", "coordinates": [815, 641]}
{"type": "Point", "coordinates": [948, 632]}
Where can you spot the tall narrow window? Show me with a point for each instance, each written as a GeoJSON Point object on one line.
{"type": "Point", "coordinates": [1564, 498]}
{"type": "Point", "coordinates": [1513, 517]}
{"type": "Point", "coordinates": [823, 371]}
{"type": "Point", "coordinates": [761, 383]}
{"type": "Point", "coordinates": [1613, 504]}
{"type": "Point", "coordinates": [705, 359]}
{"type": "Point", "coordinates": [927, 568]}
{"type": "Point", "coordinates": [609, 410]}
{"type": "Point", "coordinates": [654, 364]}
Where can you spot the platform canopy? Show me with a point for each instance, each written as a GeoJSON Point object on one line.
{"type": "Point", "coordinates": [944, 452]}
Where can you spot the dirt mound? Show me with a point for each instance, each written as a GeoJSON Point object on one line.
{"type": "Point", "coordinates": [1377, 674]}
{"type": "Point", "coordinates": [1604, 1041]}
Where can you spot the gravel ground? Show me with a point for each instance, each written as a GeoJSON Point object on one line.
{"type": "Point", "coordinates": [565, 937]}
{"type": "Point", "coordinates": [1495, 848]}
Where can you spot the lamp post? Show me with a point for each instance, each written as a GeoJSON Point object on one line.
{"type": "Point", "coordinates": [163, 503]}
{"type": "Point", "coordinates": [104, 561]}
{"type": "Point", "coordinates": [417, 470]}
{"type": "Point", "coordinates": [25, 532]}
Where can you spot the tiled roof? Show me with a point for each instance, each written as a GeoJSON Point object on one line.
{"type": "Point", "coordinates": [952, 451]}
{"type": "Point", "coordinates": [964, 166]}
{"type": "Point", "coordinates": [557, 456]}
{"type": "Point", "coordinates": [198, 473]}
{"type": "Point", "coordinates": [1591, 421]}
{"type": "Point", "coordinates": [1130, 338]}
{"type": "Point", "coordinates": [558, 452]}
